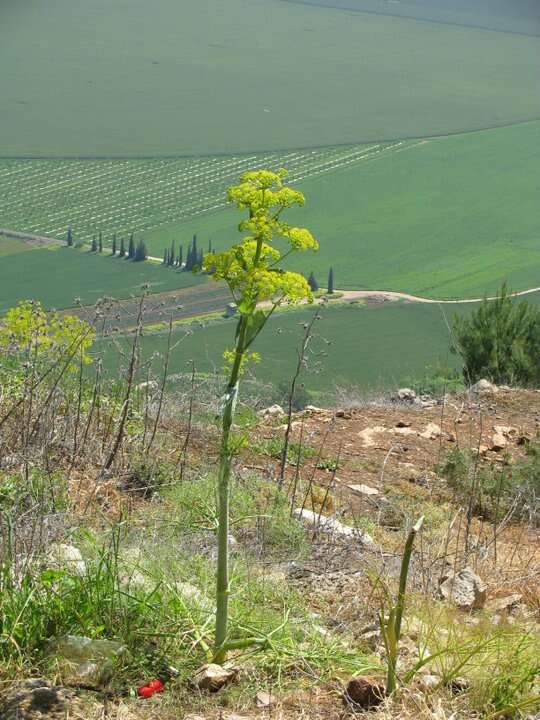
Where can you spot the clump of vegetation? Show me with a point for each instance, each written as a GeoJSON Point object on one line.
{"type": "Point", "coordinates": [437, 380]}
{"type": "Point", "coordinates": [511, 491]}
{"type": "Point", "coordinates": [500, 341]}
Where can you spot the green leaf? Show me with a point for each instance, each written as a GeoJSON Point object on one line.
{"type": "Point", "coordinates": [254, 325]}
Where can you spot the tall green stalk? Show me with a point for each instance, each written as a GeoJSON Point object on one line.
{"type": "Point", "coordinates": [258, 286]}
{"type": "Point", "coordinates": [225, 461]}
{"type": "Point", "coordinates": [391, 629]}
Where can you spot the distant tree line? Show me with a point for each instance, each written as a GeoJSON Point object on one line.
{"type": "Point", "coordinates": [193, 258]}
{"type": "Point", "coordinates": [137, 251]}
{"type": "Point", "coordinates": [314, 285]}
{"type": "Point", "coordinates": [173, 257]}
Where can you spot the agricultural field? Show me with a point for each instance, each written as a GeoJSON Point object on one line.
{"type": "Point", "coordinates": [355, 345]}
{"type": "Point", "coordinates": [519, 16]}
{"type": "Point", "coordinates": [444, 218]}
{"type": "Point", "coordinates": [124, 196]}
{"type": "Point", "coordinates": [207, 77]}
{"type": "Point", "coordinates": [61, 277]}
{"type": "Point", "coordinates": [12, 246]}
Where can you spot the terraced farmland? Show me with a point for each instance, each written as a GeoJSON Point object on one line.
{"type": "Point", "coordinates": [123, 196]}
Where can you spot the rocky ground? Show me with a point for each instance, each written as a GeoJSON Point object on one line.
{"type": "Point", "coordinates": [357, 478]}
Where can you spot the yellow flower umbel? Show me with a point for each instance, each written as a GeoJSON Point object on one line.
{"type": "Point", "coordinates": [251, 268]}
{"type": "Point", "coordinates": [258, 286]}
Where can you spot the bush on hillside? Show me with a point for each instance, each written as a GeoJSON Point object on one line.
{"type": "Point", "coordinates": [500, 341]}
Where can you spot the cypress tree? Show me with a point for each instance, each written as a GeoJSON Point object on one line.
{"type": "Point", "coordinates": [69, 238]}
{"type": "Point", "coordinates": [165, 257]}
{"type": "Point", "coordinates": [209, 246]}
{"type": "Point", "coordinates": [139, 254]}
{"type": "Point", "coordinates": [180, 254]}
{"type": "Point", "coordinates": [122, 252]}
{"type": "Point", "coordinates": [172, 255]}
{"type": "Point", "coordinates": [93, 247]}
{"type": "Point", "coordinates": [113, 251]}
{"type": "Point", "coordinates": [312, 282]}
{"type": "Point", "coordinates": [192, 256]}
{"type": "Point", "coordinates": [131, 247]}
{"type": "Point", "coordinates": [100, 242]}
{"type": "Point", "coordinates": [331, 281]}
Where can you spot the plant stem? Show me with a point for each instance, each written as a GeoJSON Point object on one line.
{"type": "Point", "coordinates": [396, 614]}
{"type": "Point", "coordinates": [225, 461]}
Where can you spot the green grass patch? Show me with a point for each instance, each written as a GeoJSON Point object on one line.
{"type": "Point", "coordinates": [372, 348]}
{"type": "Point", "coordinates": [57, 277]}
{"type": "Point", "coordinates": [201, 77]}
{"type": "Point", "coordinates": [12, 246]}
{"type": "Point", "coordinates": [149, 582]}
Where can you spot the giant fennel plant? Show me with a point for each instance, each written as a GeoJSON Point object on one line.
{"type": "Point", "coordinates": [258, 284]}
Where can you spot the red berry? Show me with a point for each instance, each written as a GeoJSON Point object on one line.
{"type": "Point", "coordinates": [145, 691]}
{"type": "Point", "coordinates": [156, 685]}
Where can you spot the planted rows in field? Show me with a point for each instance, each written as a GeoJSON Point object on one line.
{"type": "Point", "coordinates": [123, 196]}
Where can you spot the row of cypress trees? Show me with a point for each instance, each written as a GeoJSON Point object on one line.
{"type": "Point", "coordinates": [173, 258]}
{"type": "Point", "coordinates": [194, 255]}
{"type": "Point", "coordinates": [314, 285]}
{"type": "Point", "coordinates": [134, 251]}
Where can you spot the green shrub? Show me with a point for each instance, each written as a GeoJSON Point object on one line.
{"type": "Point", "coordinates": [437, 380]}
{"type": "Point", "coordinates": [500, 341]}
{"type": "Point", "coordinates": [493, 492]}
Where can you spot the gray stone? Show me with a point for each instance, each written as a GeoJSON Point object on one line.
{"type": "Point", "coordinates": [85, 662]}
{"type": "Point", "coordinates": [67, 557]}
{"type": "Point", "coordinates": [213, 677]}
{"type": "Point", "coordinates": [406, 395]}
{"type": "Point", "coordinates": [484, 387]}
{"type": "Point", "coordinates": [332, 526]}
{"type": "Point", "coordinates": [431, 432]}
{"type": "Point", "coordinates": [429, 682]}
{"type": "Point", "coordinates": [264, 699]}
{"type": "Point", "coordinates": [464, 589]}
{"type": "Point", "coordinates": [35, 699]}
{"type": "Point", "coordinates": [364, 489]}
{"type": "Point", "coordinates": [272, 411]}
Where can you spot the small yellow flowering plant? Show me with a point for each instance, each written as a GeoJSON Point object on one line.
{"type": "Point", "coordinates": [258, 286]}
{"type": "Point", "coordinates": [28, 331]}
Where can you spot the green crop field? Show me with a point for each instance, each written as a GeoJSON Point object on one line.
{"type": "Point", "coordinates": [110, 78]}
{"type": "Point", "coordinates": [444, 218]}
{"type": "Point", "coordinates": [355, 345]}
{"type": "Point", "coordinates": [58, 276]}
{"type": "Point", "coordinates": [12, 246]}
{"type": "Point", "coordinates": [122, 196]}
{"type": "Point", "coordinates": [520, 16]}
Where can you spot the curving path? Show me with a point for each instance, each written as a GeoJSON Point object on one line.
{"type": "Point", "coordinates": [391, 295]}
